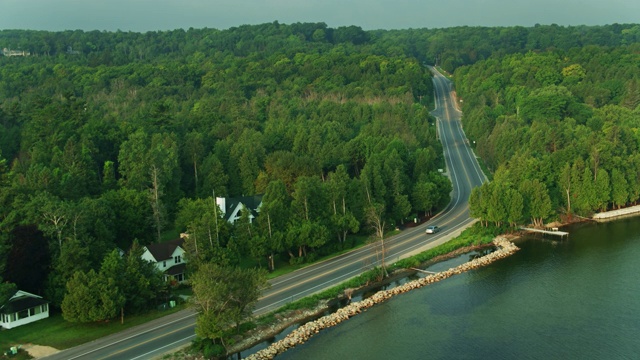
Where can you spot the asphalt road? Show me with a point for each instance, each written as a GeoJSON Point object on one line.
{"type": "Point", "coordinates": [150, 340]}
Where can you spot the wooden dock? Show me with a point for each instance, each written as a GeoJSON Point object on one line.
{"type": "Point", "coordinates": [555, 231]}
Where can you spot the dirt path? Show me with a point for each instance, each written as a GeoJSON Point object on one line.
{"type": "Point", "coordinates": [39, 351]}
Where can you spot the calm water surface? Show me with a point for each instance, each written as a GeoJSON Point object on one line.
{"type": "Point", "coordinates": [571, 299]}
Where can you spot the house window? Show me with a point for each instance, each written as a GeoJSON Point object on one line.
{"type": "Point", "coordinates": [177, 259]}
{"type": "Point", "coordinates": [37, 310]}
{"type": "Point", "coordinates": [164, 263]}
{"type": "Point", "coordinates": [44, 307]}
{"type": "Point", "coordinates": [23, 314]}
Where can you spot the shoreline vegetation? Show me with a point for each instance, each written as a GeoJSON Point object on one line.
{"type": "Point", "coordinates": [475, 238]}
{"type": "Point", "coordinates": [310, 317]}
{"type": "Point", "coordinates": [299, 313]}
{"type": "Point", "coordinates": [311, 117]}
{"type": "Point", "coordinates": [504, 248]}
{"type": "Point", "coordinates": [268, 326]}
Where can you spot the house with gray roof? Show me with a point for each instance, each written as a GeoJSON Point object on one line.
{"type": "Point", "coordinates": [23, 308]}
{"type": "Point", "coordinates": [232, 207]}
{"type": "Point", "coordinates": [168, 257]}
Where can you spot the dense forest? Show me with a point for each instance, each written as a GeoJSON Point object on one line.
{"type": "Point", "coordinates": [559, 130]}
{"type": "Point", "coordinates": [128, 137]}
{"type": "Point", "coordinates": [113, 140]}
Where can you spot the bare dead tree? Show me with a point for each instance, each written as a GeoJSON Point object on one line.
{"type": "Point", "coordinates": [374, 216]}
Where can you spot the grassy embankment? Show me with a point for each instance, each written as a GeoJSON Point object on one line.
{"type": "Point", "coordinates": [474, 236]}
{"type": "Point", "coordinates": [60, 334]}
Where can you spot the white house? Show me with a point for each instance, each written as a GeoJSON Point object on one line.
{"type": "Point", "coordinates": [168, 258]}
{"type": "Point", "coordinates": [23, 308]}
{"type": "Point", "coordinates": [9, 52]}
{"type": "Point", "coordinates": [232, 207]}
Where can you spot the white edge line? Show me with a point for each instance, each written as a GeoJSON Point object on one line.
{"type": "Point", "coordinates": [400, 253]}
{"type": "Point", "coordinates": [130, 337]}
{"type": "Point", "coordinates": [300, 294]}
{"type": "Point", "coordinates": [173, 343]}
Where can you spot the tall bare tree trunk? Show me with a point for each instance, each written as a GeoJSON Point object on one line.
{"type": "Point", "coordinates": [155, 200]}
{"type": "Point", "coordinates": [271, 261]}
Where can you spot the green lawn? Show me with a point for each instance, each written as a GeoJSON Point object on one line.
{"type": "Point", "coordinates": [56, 332]}
{"type": "Point", "coordinates": [475, 235]}
{"type": "Point", "coordinates": [60, 334]}
{"type": "Point", "coordinates": [283, 266]}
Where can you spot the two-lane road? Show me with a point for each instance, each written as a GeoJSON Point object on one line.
{"type": "Point", "coordinates": [150, 340]}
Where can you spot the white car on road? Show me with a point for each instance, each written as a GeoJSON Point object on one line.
{"type": "Point", "coordinates": [432, 229]}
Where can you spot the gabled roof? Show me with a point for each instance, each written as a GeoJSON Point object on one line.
{"type": "Point", "coordinates": [251, 202]}
{"type": "Point", "coordinates": [164, 251]}
{"type": "Point", "coordinates": [21, 300]}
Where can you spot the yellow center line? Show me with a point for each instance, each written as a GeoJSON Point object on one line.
{"type": "Point", "coordinates": [364, 256]}
{"type": "Point", "coordinates": [459, 155]}
{"type": "Point", "coordinates": [332, 270]}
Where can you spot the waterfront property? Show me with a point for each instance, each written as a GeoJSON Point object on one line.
{"type": "Point", "coordinates": [306, 331]}
{"type": "Point", "coordinates": [574, 299]}
{"type": "Point", "coordinates": [23, 308]}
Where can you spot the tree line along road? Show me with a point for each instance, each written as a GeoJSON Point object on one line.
{"type": "Point", "coordinates": [163, 335]}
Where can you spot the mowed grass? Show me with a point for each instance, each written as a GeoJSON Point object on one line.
{"type": "Point", "coordinates": [60, 334]}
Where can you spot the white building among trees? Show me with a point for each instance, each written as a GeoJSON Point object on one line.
{"type": "Point", "coordinates": [168, 258]}
{"type": "Point", "coordinates": [23, 308]}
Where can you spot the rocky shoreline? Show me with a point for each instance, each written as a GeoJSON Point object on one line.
{"type": "Point", "coordinates": [294, 317]}
{"type": "Point", "coordinates": [306, 331]}
{"type": "Point", "coordinates": [614, 214]}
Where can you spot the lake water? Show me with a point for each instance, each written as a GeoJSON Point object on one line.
{"type": "Point", "coordinates": [577, 298]}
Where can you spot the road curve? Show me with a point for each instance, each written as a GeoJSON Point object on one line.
{"type": "Point", "coordinates": [148, 341]}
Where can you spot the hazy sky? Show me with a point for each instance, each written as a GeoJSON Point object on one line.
{"type": "Point", "coordinates": [145, 15]}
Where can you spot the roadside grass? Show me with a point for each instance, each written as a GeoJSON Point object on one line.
{"type": "Point", "coordinates": [54, 331]}
{"type": "Point", "coordinates": [475, 235]}
{"type": "Point", "coordinates": [60, 334]}
{"type": "Point", "coordinates": [484, 168]}
{"type": "Point", "coordinates": [445, 73]}
{"type": "Point", "coordinates": [283, 266]}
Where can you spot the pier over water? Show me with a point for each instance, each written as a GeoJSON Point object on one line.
{"type": "Point", "coordinates": [553, 231]}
